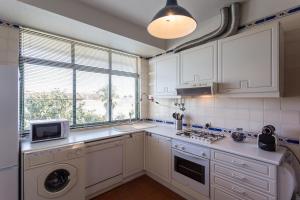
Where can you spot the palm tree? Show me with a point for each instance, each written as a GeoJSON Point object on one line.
{"type": "Point", "coordinates": [104, 97]}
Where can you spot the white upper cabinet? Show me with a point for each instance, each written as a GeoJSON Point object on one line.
{"type": "Point", "coordinates": [199, 64]}
{"type": "Point", "coordinates": [248, 63]}
{"type": "Point", "coordinates": [166, 70]}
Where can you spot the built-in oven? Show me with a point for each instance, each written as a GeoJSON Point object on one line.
{"type": "Point", "coordinates": [190, 166]}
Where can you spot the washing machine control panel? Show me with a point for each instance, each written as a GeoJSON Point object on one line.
{"type": "Point", "coordinates": [35, 158]}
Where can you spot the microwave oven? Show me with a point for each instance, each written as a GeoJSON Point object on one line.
{"type": "Point", "coordinates": [45, 130]}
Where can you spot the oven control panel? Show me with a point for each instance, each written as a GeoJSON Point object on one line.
{"type": "Point", "coordinates": [191, 148]}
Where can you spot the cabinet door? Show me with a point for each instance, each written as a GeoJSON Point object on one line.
{"type": "Point", "coordinates": [249, 62]}
{"type": "Point", "coordinates": [166, 75]}
{"type": "Point", "coordinates": [103, 161]}
{"type": "Point", "coordinates": [134, 154]}
{"type": "Point", "coordinates": [158, 156]}
{"type": "Point", "coordinates": [199, 64]}
{"type": "Point", "coordinates": [163, 158]}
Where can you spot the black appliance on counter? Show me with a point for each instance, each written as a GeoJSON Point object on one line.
{"type": "Point", "coordinates": [267, 139]}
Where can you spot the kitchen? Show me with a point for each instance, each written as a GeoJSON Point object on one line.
{"type": "Point", "coordinates": [117, 102]}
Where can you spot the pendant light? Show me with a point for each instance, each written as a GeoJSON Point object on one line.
{"type": "Point", "coordinates": [172, 21]}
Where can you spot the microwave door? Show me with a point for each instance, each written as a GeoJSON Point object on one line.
{"type": "Point", "coordinates": [46, 131]}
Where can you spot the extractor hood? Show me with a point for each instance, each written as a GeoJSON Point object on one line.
{"type": "Point", "coordinates": [197, 89]}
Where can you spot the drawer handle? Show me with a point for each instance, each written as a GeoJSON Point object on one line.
{"type": "Point", "coordinates": [241, 178]}
{"type": "Point", "coordinates": [240, 164]}
{"type": "Point", "coordinates": [241, 192]}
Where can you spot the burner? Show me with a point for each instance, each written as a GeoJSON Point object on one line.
{"type": "Point", "coordinates": [202, 135]}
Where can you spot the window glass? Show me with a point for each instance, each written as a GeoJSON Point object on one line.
{"type": "Point", "coordinates": [41, 47]}
{"type": "Point", "coordinates": [47, 93]}
{"type": "Point", "coordinates": [62, 78]}
{"type": "Point", "coordinates": [122, 62]}
{"type": "Point", "coordinates": [91, 57]}
{"type": "Point", "coordinates": [91, 97]}
{"type": "Point", "coordinates": [123, 97]}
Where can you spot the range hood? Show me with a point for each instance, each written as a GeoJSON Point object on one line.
{"type": "Point", "coordinates": [197, 89]}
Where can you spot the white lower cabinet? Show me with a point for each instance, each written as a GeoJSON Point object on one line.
{"type": "Point", "coordinates": [219, 194]}
{"type": "Point", "coordinates": [133, 154]}
{"type": "Point", "coordinates": [158, 156]}
{"type": "Point", "coordinates": [104, 164]}
{"type": "Point", "coordinates": [236, 177]}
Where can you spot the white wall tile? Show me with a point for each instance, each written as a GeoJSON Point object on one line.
{"type": "Point", "coordinates": [291, 104]}
{"type": "Point", "coordinates": [272, 116]}
{"type": "Point", "coordinates": [242, 114]}
{"type": "Point", "coordinates": [255, 126]}
{"type": "Point", "coordinates": [257, 104]}
{"type": "Point", "coordinates": [256, 115]}
{"type": "Point", "coordinates": [291, 131]}
{"type": "Point", "coordinates": [272, 104]}
{"type": "Point", "coordinates": [290, 117]}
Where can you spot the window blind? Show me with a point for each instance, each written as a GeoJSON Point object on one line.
{"type": "Point", "coordinates": [86, 84]}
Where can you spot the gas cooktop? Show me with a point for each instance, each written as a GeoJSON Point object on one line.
{"type": "Point", "coordinates": [202, 135]}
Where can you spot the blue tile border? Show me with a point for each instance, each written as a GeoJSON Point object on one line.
{"type": "Point", "coordinates": [4, 23]}
{"type": "Point", "coordinates": [229, 131]}
{"type": "Point", "coordinates": [269, 18]}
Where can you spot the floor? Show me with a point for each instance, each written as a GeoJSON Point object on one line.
{"type": "Point", "coordinates": [142, 188]}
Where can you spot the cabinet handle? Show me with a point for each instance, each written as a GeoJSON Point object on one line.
{"type": "Point", "coordinates": [241, 192]}
{"type": "Point", "coordinates": [241, 178]}
{"type": "Point", "coordinates": [240, 164]}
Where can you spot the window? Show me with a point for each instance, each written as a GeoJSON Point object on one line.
{"type": "Point", "coordinates": [86, 84]}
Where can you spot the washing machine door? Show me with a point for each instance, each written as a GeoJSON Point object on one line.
{"type": "Point", "coordinates": [57, 181]}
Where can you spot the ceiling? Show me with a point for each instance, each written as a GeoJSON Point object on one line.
{"type": "Point", "coordinates": [140, 12]}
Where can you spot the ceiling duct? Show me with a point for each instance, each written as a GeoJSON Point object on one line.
{"type": "Point", "coordinates": [235, 16]}
{"type": "Point", "coordinates": [229, 26]}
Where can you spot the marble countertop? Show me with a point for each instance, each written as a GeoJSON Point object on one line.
{"type": "Point", "coordinates": [248, 149]}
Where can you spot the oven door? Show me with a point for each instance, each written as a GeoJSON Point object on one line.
{"type": "Point", "coordinates": [191, 171]}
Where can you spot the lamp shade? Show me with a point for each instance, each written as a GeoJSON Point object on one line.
{"type": "Point", "coordinates": [172, 21]}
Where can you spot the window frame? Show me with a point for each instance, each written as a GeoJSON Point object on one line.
{"type": "Point", "coordinates": [76, 67]}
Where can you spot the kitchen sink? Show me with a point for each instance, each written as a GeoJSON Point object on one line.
{"type": "Point", "coordinates": [133, 127]}
{"type": "Point", "coordinates": [124, 128]}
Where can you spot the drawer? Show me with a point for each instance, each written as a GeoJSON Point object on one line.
{"type": "Point", "coordinates": [219, 194]}
{"type": "Point", "coordinates": [245, 164]}
{"type": "Point", "coordinates": [238, 190]}
{"type": "Point", "coordinates": [264, 185]}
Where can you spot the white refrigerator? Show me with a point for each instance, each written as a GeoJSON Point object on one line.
{"type": "Point", "coordinates": [9, 139]}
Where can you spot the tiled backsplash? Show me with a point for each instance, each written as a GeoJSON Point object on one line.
{"type": "Point", "coordinates": [230, 113]}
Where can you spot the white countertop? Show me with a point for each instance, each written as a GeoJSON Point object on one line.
{"type": "Point", "coordinates": [248, 149]}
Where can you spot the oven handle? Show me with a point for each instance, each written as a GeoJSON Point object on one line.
{"type": "Point", "coordinates": [190, 155]}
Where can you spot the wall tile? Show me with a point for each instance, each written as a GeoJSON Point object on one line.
{"type": "Point", "coordinates": [256, 115]}
{"type": "Point", "coordinates": [243, 114]}
{"type": "Point", "coordinates": [290, 117]}
{"type": "Point", "coordinates": [272, 104]}
{"type": "Point", "coordinates": [255, 126]}
{"type": "Point", "coordinates": [291, 104]}
{"type": "Point", "coordinates": [272, 116]}
{"type": "Point", "coordinates": [256, 104]}
{"type": "Point", "coordinates": [291, 131]}
{"type": "Point", "coordinates": [225, 103]}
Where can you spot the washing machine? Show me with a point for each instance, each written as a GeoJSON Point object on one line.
{"type": "Point", "coordinates": [56, 173]}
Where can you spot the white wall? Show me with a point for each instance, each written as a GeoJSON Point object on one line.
{"type": "Point", "coordinates": [251, 10]}
{"type": "Point", "coordinates": [9, 46]}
